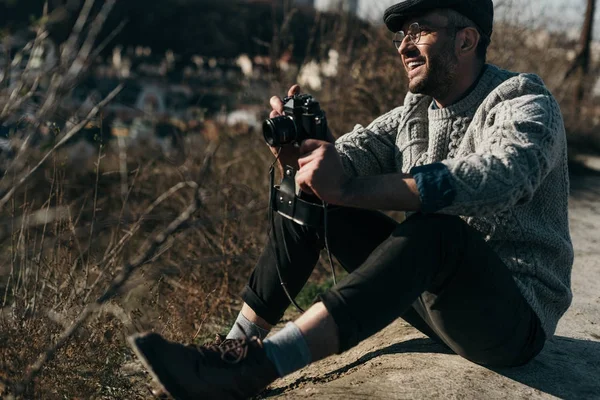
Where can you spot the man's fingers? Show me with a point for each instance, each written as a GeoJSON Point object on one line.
{"type": "Point", "coordinates": [305, 159]}
{"type": "Point", "coordinates": [276, 104]}
{"type": "Point", "coordinates": [301, 181]}
{"type": "Point", "coordinates": [274, 114]}
{"type": "Point", "coordinates": [294, 90]}
{"type": "Point", "coordinates": [310, 145]}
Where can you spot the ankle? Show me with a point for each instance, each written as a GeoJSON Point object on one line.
{"type": "Point", "coordinates": [288, 350]}
{"type": "Point", "coordinates": [255, 318]}
{"type": "Point", "coordinates": [244, 327]}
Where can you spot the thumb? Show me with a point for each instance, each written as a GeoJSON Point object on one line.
{"type": "Point", "coordinates": [295, 89]}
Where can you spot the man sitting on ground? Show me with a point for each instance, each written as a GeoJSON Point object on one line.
{"type": "Point", "coordinates": [477, 156]}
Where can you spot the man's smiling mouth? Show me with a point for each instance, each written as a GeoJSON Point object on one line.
{"type": "Point", "coordinates": [414, 64]}
{"type": "Point", "coordinates": [413, 67]}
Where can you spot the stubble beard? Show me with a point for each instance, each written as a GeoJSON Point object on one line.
{"type": "Point", "coordinates": [440, 75]}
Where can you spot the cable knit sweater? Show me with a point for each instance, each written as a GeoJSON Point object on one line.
{"type": "Point", "coordinates": [503, 152]}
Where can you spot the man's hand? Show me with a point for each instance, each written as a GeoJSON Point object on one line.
{"type": "Point", "coordinates": [288, 155]}
{"type": "Point", "coordinates": [321, 171]}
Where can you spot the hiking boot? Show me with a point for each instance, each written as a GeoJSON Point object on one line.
{"type": "Point", "coordinates": [219, 340]}
{"type": "Point", "coordinates": [238, 369]}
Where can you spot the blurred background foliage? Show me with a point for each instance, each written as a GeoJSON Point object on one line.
{"type": "Point", "coordinates": [208, 27]}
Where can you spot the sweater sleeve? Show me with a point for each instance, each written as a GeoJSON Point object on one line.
{"type": "Point", "coordinates": [371, 150]}
{"type": "Point", "coordinates": [522, 141]}
{"type": "Point", "coordinates": [434, 183]}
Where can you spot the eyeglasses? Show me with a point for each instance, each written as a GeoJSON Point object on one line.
{"type": "Point", "coordinates": [414, 33]}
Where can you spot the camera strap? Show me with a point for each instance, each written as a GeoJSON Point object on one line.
{"type": "Point", "coordinates": [284, 200]}
{"type": "Point", "coordinates": [287, 202]}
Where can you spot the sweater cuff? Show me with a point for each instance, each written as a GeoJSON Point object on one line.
{"type": "Point", "coordinates": [435, 186]}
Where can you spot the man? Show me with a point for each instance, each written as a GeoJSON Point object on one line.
{"type": "Point", "coordinates": [477, 155]}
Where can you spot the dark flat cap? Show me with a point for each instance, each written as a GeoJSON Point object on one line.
{"type": "Point", "coordinates": [479, 11]}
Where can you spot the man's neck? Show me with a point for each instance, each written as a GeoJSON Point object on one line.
{"type": "Point", "coordinates": [463, 87]}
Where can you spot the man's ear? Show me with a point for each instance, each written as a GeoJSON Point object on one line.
{"type": "Point", "coordinates": [468, 39]}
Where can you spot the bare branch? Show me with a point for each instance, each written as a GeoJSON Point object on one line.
{"type": "Point", "coordinates": [69, 48]}
{"type": "Point", "coordinates": [149, 251]}
{"type": "Point", "coordinates": [581, 62]}
{"type": "Point", "coordinates": [137, 226]}
{"type": "Point", "coordinates": [87, 46]}
{"type": "Point", "coordinates": [7, 64]}
{"type": "Point", "coordinates": [76, 129]}
{"type": "Point", "coordinates": [107, 40]}
{"type": "Point", "coordinates": [11, 107]}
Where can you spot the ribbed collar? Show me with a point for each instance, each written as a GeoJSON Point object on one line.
{"type": "Point", "coordinates": [471, 102]}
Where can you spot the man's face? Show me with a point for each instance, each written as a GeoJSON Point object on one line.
{"type": "Point", "coordinates": [431, 64]}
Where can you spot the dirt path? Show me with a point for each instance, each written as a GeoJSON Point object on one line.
{"type": "Point", "coordinates": [401, 363]}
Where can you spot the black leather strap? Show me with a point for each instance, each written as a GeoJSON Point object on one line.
{"type": "Point", "coordinates": [290, 205]}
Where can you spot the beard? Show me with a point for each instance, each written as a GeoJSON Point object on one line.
{"type": "Point", "coordinates": [440, 74]}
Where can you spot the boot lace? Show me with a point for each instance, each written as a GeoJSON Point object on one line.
{"type": "Point", "coordinates": [231, 351]}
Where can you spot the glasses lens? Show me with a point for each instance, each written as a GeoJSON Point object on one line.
{"type": "Point", "coordinates": [398, 38]}
{"type": "Point", "coordinates": [414, 31]}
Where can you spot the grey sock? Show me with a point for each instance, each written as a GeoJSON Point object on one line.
{"type": "Point", "coordinates": [288, 350]}
{"type": "Point", "coordinates": [243, 327]}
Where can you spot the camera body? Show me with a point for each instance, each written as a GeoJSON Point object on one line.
{"type": "Point", "coordinates": [302, 119]}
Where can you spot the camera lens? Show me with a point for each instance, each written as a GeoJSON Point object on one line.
{"type": "Point", "coordinates": [279, 131]}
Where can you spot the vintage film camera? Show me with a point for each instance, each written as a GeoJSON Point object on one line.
{"type": "Point", "coordinates": [302, 119]}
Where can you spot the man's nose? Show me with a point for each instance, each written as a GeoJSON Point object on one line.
{"type": "Point", "coordinates": [406, 45]}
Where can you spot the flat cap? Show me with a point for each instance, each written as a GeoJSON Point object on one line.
{"type": "Point", "coordinates": [479, 11]}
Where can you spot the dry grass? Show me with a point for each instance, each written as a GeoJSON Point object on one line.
{"type": "Point", "coordinates": [186, 290]}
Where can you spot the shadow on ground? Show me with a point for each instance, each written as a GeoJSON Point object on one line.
{"type": "Point", "coordinates": [566, 368]}
{"type": "Point", "coordinates": [421, 345]}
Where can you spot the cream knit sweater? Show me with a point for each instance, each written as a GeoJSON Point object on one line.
{"type": "Point", "coordinates": [504, 147]}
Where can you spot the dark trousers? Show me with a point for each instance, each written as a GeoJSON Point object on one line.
{"type": "Point", "coordinates": [434, 271]}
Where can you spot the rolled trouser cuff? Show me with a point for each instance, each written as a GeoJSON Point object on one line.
{"type": "Point", "coordinates": [259, 306]}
